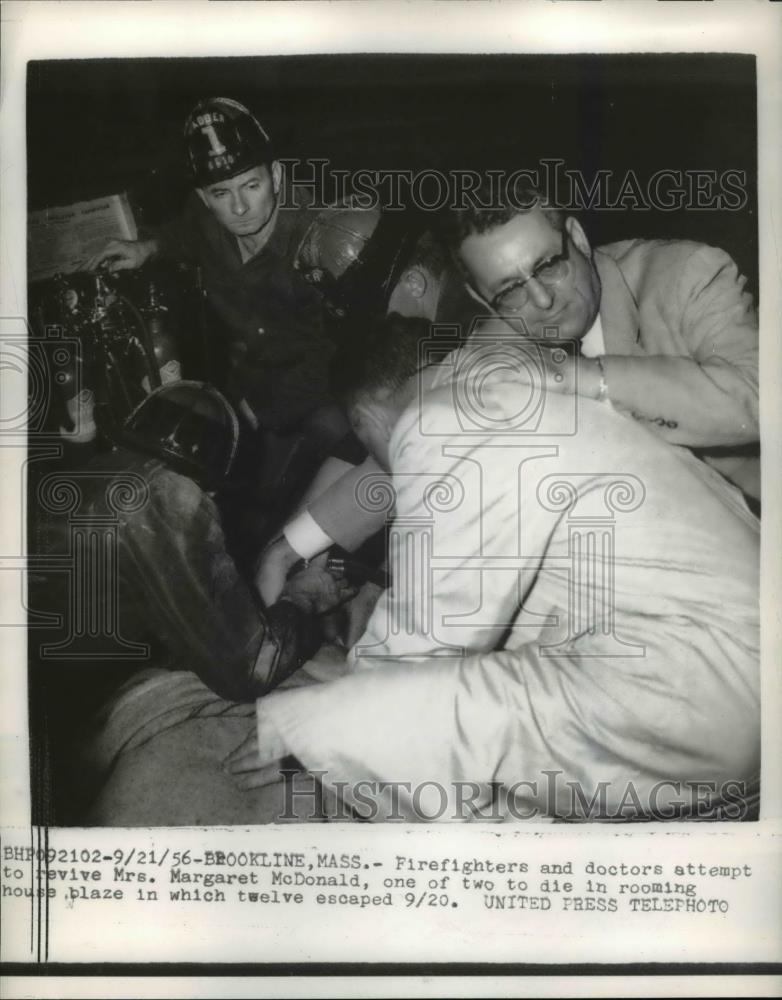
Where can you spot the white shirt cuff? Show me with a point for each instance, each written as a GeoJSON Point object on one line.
{"type": "Point", "coordinates": [306, 537]}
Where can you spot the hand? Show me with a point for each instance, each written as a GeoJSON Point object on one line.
{"type": "Point", "coordinates": [315, 590]}
{"type": "Point", "coordinates": [272, 571]}
{"type": "Point", "coordinates": [123, 255]}
{"type": "Point", "coordinates": [256, 763]}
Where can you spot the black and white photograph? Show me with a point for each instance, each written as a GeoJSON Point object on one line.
{"type": "Point", "coordinates": [408, 453]}
{"type": "Point", "coordinates": [393, 459]}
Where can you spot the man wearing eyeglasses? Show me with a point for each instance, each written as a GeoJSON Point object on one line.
{"type": "Point", "coordinates": [572, 597]}
{"type": "Point", "coordinates": [666, 330]}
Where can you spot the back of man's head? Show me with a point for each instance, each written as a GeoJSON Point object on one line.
{"type": "Point", "coordinates": [376, 379]}
{"type": "Point", "coordinates": [385, 360]}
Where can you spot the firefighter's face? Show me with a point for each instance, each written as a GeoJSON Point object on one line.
{"type": "Point", "coordinates": [244, 204]}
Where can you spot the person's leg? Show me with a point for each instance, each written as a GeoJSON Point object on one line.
{"type": "Point", "coordinates": [178, 779]}
{"type": "Point", "coordinates": [160, 745]}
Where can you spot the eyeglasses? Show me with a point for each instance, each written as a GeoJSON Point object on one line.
{"type": "Point", "coordinates": [550, 271]}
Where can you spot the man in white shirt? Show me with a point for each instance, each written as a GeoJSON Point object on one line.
{"type": "Point", "coordinates": [572, 629]}
{"type": "Point", "coordinates": [665, 329]}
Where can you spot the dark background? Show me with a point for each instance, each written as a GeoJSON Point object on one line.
{"type": "Point", "coordinates": [101, 126]}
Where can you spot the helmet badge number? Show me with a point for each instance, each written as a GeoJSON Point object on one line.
{"type": "Point", "coordinates": [216, 147]}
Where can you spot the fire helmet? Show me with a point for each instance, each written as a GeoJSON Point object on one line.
{"type": "Point", "coordinates": [335, 240]}
{"type": "Point", "coordinates": [188, 425]}
{"type": "Point", "coordinates": [223, 139]}
{"type": "Point", "coordinates": [353, 256]}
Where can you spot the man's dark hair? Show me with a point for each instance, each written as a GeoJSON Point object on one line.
{"type": "Point", "coordinates": [492, 204]}
{"type": "Point", "coordinates": [387, 357]}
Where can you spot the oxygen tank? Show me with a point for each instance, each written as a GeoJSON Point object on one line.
{"type": "Point", "coordinates": [163, 343]}
{"type": "Point", "coordinates": [78, 398]}
{"type": "Point", "coordinates": [79, 401]}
